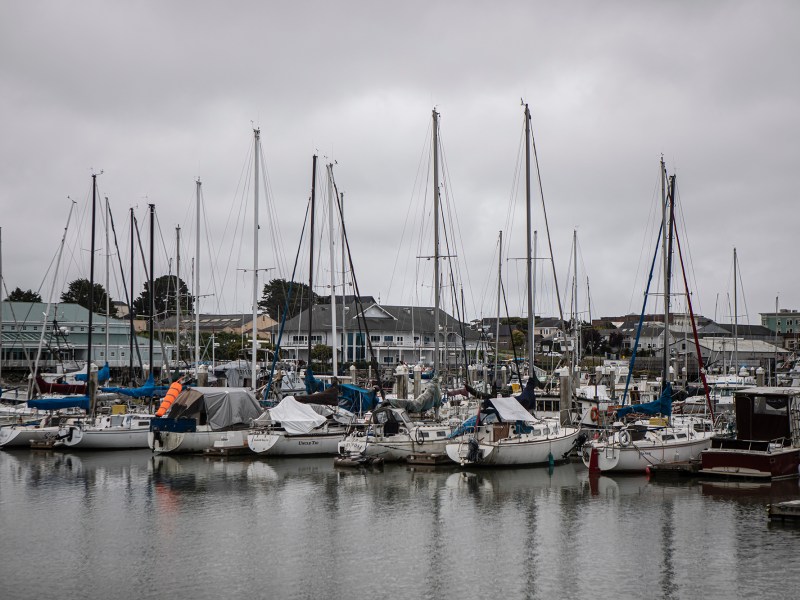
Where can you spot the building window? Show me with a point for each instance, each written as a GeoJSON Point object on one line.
{"type": "Point", "coordinates": [374, 338]}
{"type": "Point", "coordinates": [399, 339]}
{"type": "Point", "coordinates": [388, 338]}
{"type": "Point", "coordinates": [388, 359]}
{"type": "Point", "coordinates": [316, 339]}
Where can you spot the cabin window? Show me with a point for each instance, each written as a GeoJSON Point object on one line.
{"type": "Point", "coordinates": [763, 405]}
{"type": "Point", "coordinates": [680, 436]}
{"type": "Point", "coordinates": [143, 423]}
{"type": "Point", "coordinates": [426, 434]}
{"type": "Point", "coordinates": [440, 434]}
{"type": "Point", "coordinates": [666, 437]}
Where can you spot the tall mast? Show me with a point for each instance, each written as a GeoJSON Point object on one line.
{"type": "Point", "coordinates": [775, 367]}
{"type": "Point", "coordinates": [331, 204]}
{"type": "Point", "coordinates": [528, 229]}
{"type": "Point", "coordinates": [151, 283]}
{"type": "Point", "coordinates": [197, 284]}
{"type": "Point", "coordinates": [533, 292]}
{"type": "Point", "coordinates": [435, 242]}
{"type": "Point", "coordinates": [256, 163]}
{"type": "Point", "coordinates": [344, 285]}
{"type": "Point", "coordinates": [131, 331]}
{"type": "Point", "coordinates": [577, 352]}
{"type": "Point", "coordinates": [89, 383]}
{"type": "Point", "coordinates": [108, 294]}
{"type": "Point", "coordinates": [735, 318]}
{"type": "Point", "coordinates": [1, 306]}
{"type": "Point", "coordinates": [311, 253]}
{"type": "Point", "coordinates": [178, 297]}
{"type": "Point", "coordinates": [499, 288]}
{"type": "Point", "coordinates": [665, 252]}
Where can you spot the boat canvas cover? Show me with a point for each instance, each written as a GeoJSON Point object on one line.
{"type": "Point", "coordinates": [430, 397]}
{"type": "Point", "coordinates": [224, 407]}
{"type": "Point", "coordinates": [295, 417]}
{"type": "Point", "coordinates": [660, 406]}
{"type": "Point", "coordinates": [60, 403]}
{"type": "Point", "coordinates": [510, 410]}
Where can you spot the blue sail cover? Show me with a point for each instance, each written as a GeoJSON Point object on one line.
{"type": "Point", "coordinates": [59, 403]}
{"type": "Point", "coordinates": [149, 389]}
{"type": "Point", "coordinates": [528, 396]}
{"type": "Point", "coordinates": [312, 383]}
{"type": "Point", "coordinates": [103, 374]}
{"type": "Point", "coordinates": [660, 406]}
{"type": "Point", "coordinates": [467, 426]}
{"type": "Point", "coordinates": [356, 399]}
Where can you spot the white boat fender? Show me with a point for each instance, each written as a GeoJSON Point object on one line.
{"type": "Point", "coordinates": [624, 438]}
{"type": "Point", "coordinates": [420, 437]}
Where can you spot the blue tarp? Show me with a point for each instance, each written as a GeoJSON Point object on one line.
{"type": "Point", "coordinates": [59, 403]}
{"type": "Point", "coordinates": [147, 390]}
{"type": "Point", "coordinates": [528, 396]}
{"type": "Point", "coordinates": [103, 374]}
{"type": "Point", "coordinates": [312, 383]}
{"type": "Point", "coordinates": [357, 399]}
{"type": "Point", "coordinates": [661, 406]}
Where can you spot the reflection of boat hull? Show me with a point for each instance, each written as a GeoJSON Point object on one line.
{"type": "Point", "coordinates": [21, 437]}
{"type": "Point", "coordinates": [283, 444]}
{"type": "Point", "coordinates": [195, 442]}
{"type": "Point", "coordinates": [514, 451]}
{"type": "Point", "coordinates": [638, 456]}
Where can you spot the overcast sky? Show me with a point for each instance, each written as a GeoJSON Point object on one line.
{"type": "Point", "coordinates": [156, 94]}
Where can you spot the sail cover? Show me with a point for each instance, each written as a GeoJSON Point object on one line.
{"type": "Point", "coordinates": [295, 417]}
{"type": "Point", "coordinates": [509, 409]}
{"type": "Point", "coordinates": [224, 407]}
{"type": "Point", "coordinates": [59, 403]}
{"type": "Point", "coordinates": [660, 406]}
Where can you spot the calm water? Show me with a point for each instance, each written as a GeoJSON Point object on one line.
{"type": "Point", "coordinates": [130, 525]}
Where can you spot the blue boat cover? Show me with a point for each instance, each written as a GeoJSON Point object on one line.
{"type": "Point", "coordinates": [59, 403]}
{"type": "Point", "coordinates": [528, 396]}
{"type": "Point", "coordinates": [357, 399]}
{"type": "Point", "coordinates": [660, 406]}
{"type": "Point", "coordinates": [103, 374]}
{"type": "Point", "coordinates": [312, 383]}
{"type": "Point", "coordinates": [146, 391]}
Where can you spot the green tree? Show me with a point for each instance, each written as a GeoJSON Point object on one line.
{"type": "Point", "coordinates": [273, 298]}
{"type": "Point", "coordinates": [163, 297]}
{"type": "Point", "coordinates": [519, 339]}
{"type": "Point", "coordinates": [18, 295]}
{"type": "Point", "coordinates": [78, 293]}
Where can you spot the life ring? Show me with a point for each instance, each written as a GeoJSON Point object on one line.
{"type": "Point", "coordinates": [594, 413]}
{"type": "Point", "coordinates": [624, 438]}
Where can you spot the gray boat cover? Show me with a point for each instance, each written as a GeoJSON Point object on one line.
{"type": "Point", "coordinates": [224, 407]}
{"type": "Point", "coordinates": [430, 397]}
{"type": "Point", "coordinates": [509, 409]}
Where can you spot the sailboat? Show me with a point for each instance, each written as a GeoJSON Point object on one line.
{"type": "Point", "coordinates": [657, 437]}
{"type": "Point", "coordinates": [504, 432]}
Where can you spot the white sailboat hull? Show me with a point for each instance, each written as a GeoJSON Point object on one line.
{"type": "Point", "coordinates": [19, 436]}
{"type": "Point", "coordinates": [515, 451]}
{"type": "Point", "coordinates": [638, 456]}
{"type": "Point", "coordinates": [284, 444]}
{"type": "Point", "coordinates": [107, 439]}
{"type": "Point", "coordinates": [390, 448]}
{"type": "Point", "coordinates": [195, 442]}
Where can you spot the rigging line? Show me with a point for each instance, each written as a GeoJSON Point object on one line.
{"type": "Point", "coordinates": [360, 304]}
{"type": "Point", "coordinates": [410, 205]}
{"type": "Point", "coordinates": [546, 224]}
{"type": "Point", "coordinates": [128, 299]}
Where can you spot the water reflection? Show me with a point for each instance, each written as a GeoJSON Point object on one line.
{"type": "Point", "coordinates": [206, 528]}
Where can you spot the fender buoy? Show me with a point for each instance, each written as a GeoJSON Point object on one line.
{"type": "Point", "coordinates": [624, 438]}
{"type": "Point", "coordinates": [593, 414]}
{"type": "Point", "coordinates": [172, 393]}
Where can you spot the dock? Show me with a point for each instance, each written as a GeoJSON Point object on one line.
{"type": "Point", "coordinates": [686, 468]}
{"type": "Point", "coordinates": [784, 511]}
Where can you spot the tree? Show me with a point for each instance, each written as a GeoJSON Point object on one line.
{"type": "Point", "coordinates": [18, 295]}
{"type": "Point", "coordinates": [163, 297]}
{"type": "Point", "coordinates": [78, 293]}
{"type": "Point", "coordinates": [273, 298]}
{"type": "Point", "coordinates": [519, 339]}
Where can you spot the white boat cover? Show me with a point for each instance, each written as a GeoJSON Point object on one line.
{"type": "Point", "coordinates": [295, 417]}
{"type": "Point", "coordinates": [509, 409]}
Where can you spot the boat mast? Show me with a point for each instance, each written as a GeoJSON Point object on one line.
{"type": "Point", "coordinates": [344, 286]}
{"type": "Point", "coordinates": [152, 296]}
{"type": "Point", "coordinates": [311, 253]}
{"type": "Point", "coordinates": [576, 354]}
{"type": "Point", "coordinates": [89, 383]}
{"type": "Point", "coordinates": [178, 297]}
{"type": "Point", "coordinates": [499, 288]}
{"type": "Point", "coordinates": [1, 309]}
{"type": "Point", "coordinates": [665, 253]}
{"type": "Point", "coordinates": [130, 310]}
{"type": "Point", "coordinates": [528, 229]}
{"type": "Point", "coordinates": [436, 242]}
{"type": "Point", "coordinates": [331, 204]}
{"type": "Point", "coordinates": [254, 348]}
{"type": "Point", "coordinates": [735, 319]}
{"type": "Point", "coordinates": [108, 294]}
{"type": "Point", "coordinates": [197, 285]}
{"type": "Point", "coordinates": [533, 291]}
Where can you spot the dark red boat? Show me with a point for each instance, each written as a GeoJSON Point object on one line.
{"type": "Point", "coordinates": [767, 442]}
